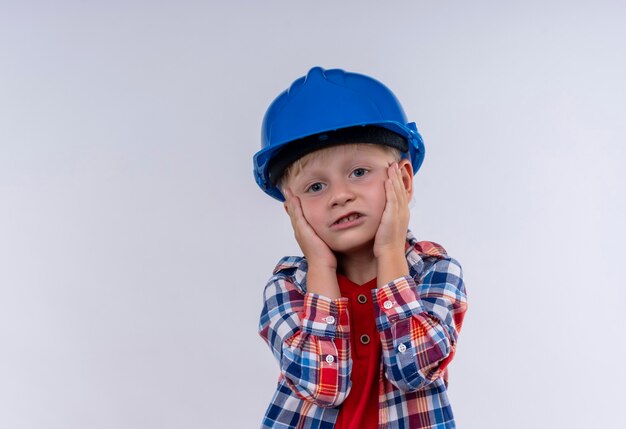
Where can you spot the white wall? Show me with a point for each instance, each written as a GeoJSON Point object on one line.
{"type": "Point", "coordinates": [134, 244]}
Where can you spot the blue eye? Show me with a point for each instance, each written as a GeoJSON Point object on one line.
{"type": "Point", "coordinates": [315, 187]}
{"type": "Point", "coordinates": [359, 172]}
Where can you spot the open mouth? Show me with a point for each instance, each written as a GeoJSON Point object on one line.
{"type": "Point", "coordinates": [348, 218]}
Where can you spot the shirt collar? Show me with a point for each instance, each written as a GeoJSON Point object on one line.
{"type": "Point", "coordinates": [416, 252]}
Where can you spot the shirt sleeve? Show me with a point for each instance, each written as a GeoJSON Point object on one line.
{"type": "Point", "coordinates": [309, 336]}
{"type": "Point", "coordinates": [419, 323]}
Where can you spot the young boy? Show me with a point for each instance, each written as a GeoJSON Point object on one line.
{"type": "Point", "coordinates": [365, 324]}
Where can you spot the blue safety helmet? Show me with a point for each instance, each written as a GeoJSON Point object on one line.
{"type": "Point", "coordinates": [325, 108]}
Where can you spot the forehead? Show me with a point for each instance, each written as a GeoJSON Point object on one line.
{"type": "Point", "coordinates": [346, 152]}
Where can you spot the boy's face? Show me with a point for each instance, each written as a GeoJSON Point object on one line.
{"type": "Point", "coordinates": [342, 193]}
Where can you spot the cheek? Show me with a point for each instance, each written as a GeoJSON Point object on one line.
{"type": "Point", "coordinates": [312, 214]}
{"type": "Point", "coordinates": [380, 197]}
{"type": "Point", "coordinates": [377, 186]}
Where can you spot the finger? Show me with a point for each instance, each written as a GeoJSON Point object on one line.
{"type": "Point", "coordinates": [297, 216]}
{"type": "Point", "coordinates": [399, 185]}
{"type": "Point", "coordinates": [287, 194]}
{"type": "Point", "coordinates": [297, 209]}
{"type": "Point", "coordinates": [291, 205]}
{"type": "Point", "coordinates": [390, 192]}
{"type": "Point", "coordinates": [396, 179]}
{"type": "Point", "coordinates": [288, 201]}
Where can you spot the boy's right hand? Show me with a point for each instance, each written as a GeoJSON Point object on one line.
{"type": "Point", "coordinates": [316, 251]}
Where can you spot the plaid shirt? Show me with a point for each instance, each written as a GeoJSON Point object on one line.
{"type": "Point", "coordinates": [418, 317]}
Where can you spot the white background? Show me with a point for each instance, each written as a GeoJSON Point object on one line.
{"type": "Point", "coordinates": [134, 243]}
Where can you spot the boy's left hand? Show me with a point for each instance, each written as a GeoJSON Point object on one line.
{"type": "Point", "coordinates": [391, 235]}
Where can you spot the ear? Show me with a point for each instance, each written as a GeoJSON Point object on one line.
{"type": "Point", "coordinates": [407, 176]}
{"type": "Point", "coordinates": [287, 194]}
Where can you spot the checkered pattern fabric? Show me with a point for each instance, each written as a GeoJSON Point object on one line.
{"type": "Point", "coordinates": [418, 317]}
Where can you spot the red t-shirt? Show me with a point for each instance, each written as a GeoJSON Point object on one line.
{"type": "Point", "coordinates": [360, 408]}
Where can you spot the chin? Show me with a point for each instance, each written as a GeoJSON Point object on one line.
{"type": "Point", "coordinates": [348, 246]}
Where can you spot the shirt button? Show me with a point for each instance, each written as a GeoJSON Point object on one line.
{"type": "Point", "coordinates": [362, 299]}
{"type": "Point", "coordinates": [330, 320]}
{"type": "Point", "coordinates": [365, 339]}
{"type": "Point", "coordinates": [330, 359]}
{"type": "Point", "coordinates": [401, 348]}
{"type": "Point", "coordinates": [388, 305]}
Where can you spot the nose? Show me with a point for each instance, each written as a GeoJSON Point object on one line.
{"type": "Point", "coordinates": [340, 194]}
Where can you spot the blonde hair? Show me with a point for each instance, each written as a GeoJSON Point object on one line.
{"type": "Point", "coordinates": [296, 167]}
